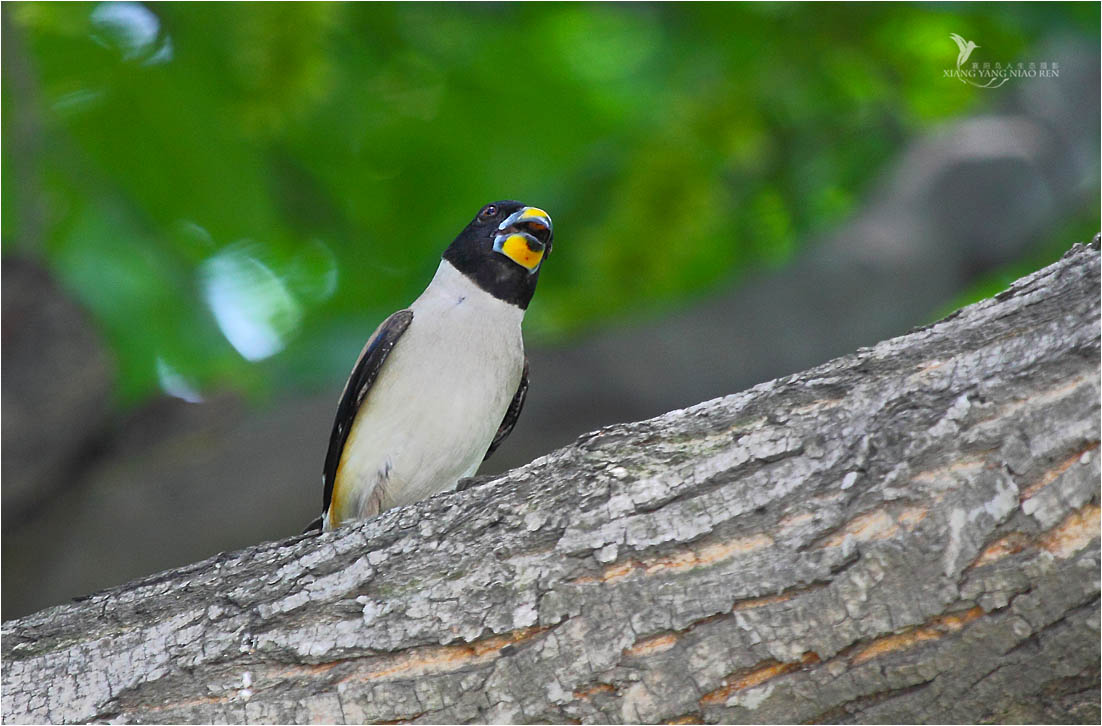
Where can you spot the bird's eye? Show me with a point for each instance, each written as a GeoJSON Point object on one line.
{"type": "Point", "coordinates": [490, 210]}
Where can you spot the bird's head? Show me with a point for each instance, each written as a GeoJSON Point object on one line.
{"type": "Point", "coordinates": [503, 248]}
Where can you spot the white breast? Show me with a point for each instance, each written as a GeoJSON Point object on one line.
{"type": "Point", "coordinates": [438, 401]}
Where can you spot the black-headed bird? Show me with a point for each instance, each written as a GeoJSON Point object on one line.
{"type": "Point", "coordinates": [439, 385]}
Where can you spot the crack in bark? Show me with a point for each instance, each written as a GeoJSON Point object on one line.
{"type": "Point", "coordinates": [848, 709]}
{"type": "Point", "coordinates": [588, 691]}
{"type": "Point", "coordinates": [877, 524]}
{"type": "Point", "coordinates": [754, 676]}
{"type": "Point", "coordinates": [427, 660]}
{"type": "Point", "coordinates": [663, 641]}
{"type": "Point", "coordinates": [1050, 475]}
{"type": "Point", "coordinates": [1077, 530]}
{"type": "Point", "coordinates": [1090, 604]}
{"type": "Point", "coordinates": [934, 629]}
{"type": "Point", "coordinates": [680, 560]}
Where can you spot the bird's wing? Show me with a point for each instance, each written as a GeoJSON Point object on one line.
{"type": "Point", "coordinates": [512, 413]}
{"type": "Point", "coordinates": [363, 376]}
{"type": "Point", "coordinates": [961, 42]}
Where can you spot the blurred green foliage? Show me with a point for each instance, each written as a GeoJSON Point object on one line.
{"type": "Point", "coordinates": [299, 167]}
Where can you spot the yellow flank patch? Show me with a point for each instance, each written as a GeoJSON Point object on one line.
{"type": "Point", "coordinates": [516, 247]}
{"type": "Point", "coordinates": [338, 502]}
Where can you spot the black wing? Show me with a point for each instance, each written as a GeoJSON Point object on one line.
{"type": "Point", "coordinates": [367, 369]}
{"type": "Point", "coordinates": [512, 413]}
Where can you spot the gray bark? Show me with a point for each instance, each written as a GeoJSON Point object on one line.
{"type": "Point", "coordinates": [908, 533]}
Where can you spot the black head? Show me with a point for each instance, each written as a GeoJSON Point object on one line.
{"type": "Point", "coordinates": [502, 250]}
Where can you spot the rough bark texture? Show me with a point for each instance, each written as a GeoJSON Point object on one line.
{"type": "Point", "coordinates": [909, 533]}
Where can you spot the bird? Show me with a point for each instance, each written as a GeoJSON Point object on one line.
{"type": "Point", "coordinates": [439, 385]}
{"type": "Point", "coordinates": [964, 46]}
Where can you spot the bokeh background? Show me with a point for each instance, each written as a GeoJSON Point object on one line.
{"type": "Point", "coordinates": [208, 207]}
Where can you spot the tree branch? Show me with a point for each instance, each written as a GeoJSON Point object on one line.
{"type": "Point", "coordinates": [908, 533]}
